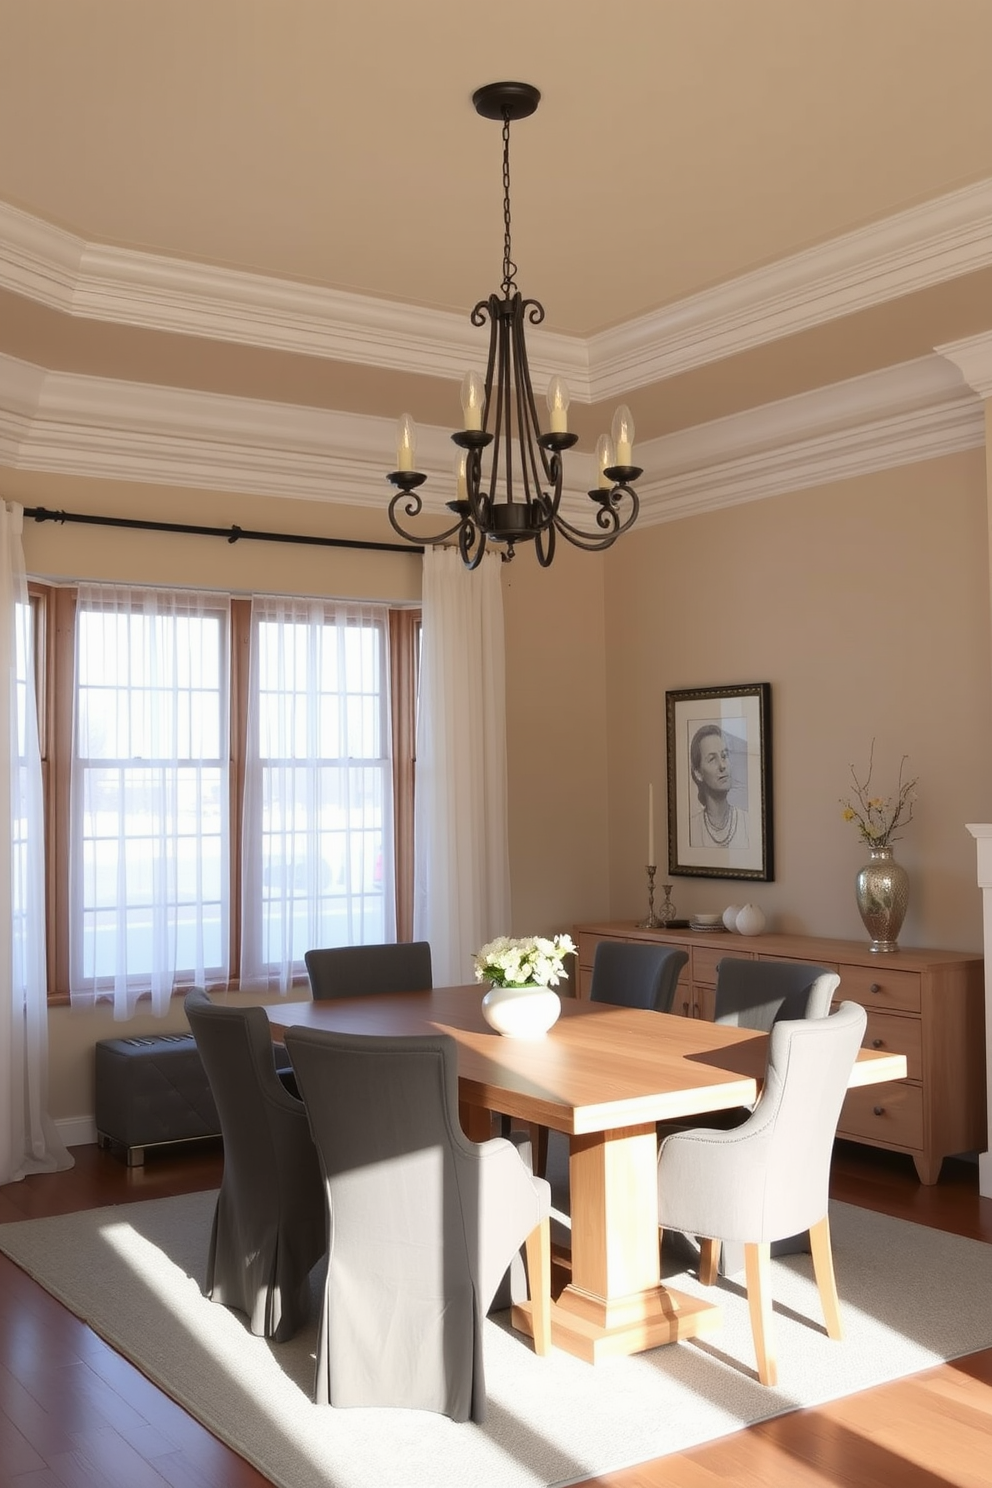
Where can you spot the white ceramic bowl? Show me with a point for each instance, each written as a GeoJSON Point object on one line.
{"type": "Point", "coordinates": [521, 1012]}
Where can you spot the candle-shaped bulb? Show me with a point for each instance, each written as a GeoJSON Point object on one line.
{"type": "Point", "coordinates": [558, 401]}
{"type": "Point", "coordinates": [461, 477]}
{"type": "Point", "coordinates": [406, 443]}
{"type": "Point", "coordinates": [604, 459]}
{"type": "Point", "coordinates": [473, 400]}
{"type": "Point", "coordinates": [623, 435]}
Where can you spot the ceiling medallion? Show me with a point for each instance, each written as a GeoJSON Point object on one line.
{"type": "Point", "coordinates": [514, 495]}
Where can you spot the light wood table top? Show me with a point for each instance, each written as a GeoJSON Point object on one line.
{"type": "Point", "coordinates": [604, 1076]}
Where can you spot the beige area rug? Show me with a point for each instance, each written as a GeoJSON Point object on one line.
{"type": "Point", "coordinates": [910, 1298]}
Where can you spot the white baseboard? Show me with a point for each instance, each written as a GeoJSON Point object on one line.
{"type": "Point", "coordinates": [77, 1131]}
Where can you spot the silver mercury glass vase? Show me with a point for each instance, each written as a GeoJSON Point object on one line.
{"type": "Point", "coordinates": [882, 894]}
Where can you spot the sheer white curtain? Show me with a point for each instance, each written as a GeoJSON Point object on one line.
{"type": "Point", "coordinates": [29, 1142]}
{"type": "Point", "coordinates": [462, 880]}
{"type": "Point", "coordinates": [317, 848]}
{"type": "Point", "coordinates": [149, 856]}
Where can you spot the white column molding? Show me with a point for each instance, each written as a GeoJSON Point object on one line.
{"type": "Point", "coordinates": [982, 834]}
{"type": "Point", "coordinates": [973, 358]}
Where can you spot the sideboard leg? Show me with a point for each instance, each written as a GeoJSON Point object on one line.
{"type": "Point", "coordinates": [927, 1168]}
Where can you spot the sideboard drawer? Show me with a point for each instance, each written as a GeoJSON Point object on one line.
{"type": "Point", "coordinates": [790, 960]}
{"type": "Point", "coordinates": [704, 962]}
{"type": "Point", "coordinates": [587, 948]}
{"type": "Point", "coordinates": [582, 972]}
{"type": "Point", "coordinates": [879, 987]}
{"type": "Point", "coordinates": [892, 1034]}
{"type": "Point", "coordinates": [891, 1115]}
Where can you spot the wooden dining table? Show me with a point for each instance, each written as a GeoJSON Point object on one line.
{"type": "Point", "coordinates": [604, 1076]}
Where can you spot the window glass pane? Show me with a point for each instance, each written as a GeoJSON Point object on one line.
{"type": "Point", "coordinates": [149, 839]}
{"type": "Point", "coordinates": [319, 788]}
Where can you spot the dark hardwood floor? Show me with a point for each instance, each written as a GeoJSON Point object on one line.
{"type": "Point", "coordinates": [74, 1414]}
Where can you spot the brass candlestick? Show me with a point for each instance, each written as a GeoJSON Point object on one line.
{"type": "Point", "coordinates": [652, 922]}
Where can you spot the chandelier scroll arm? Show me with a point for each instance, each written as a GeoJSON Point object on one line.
{"type": "Point", "coordinates": [413, 508]}
{"type": "Point", "coordinates": [607, 517]}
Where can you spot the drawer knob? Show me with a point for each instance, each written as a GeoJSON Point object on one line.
{"type": "Point", "coordinates": [878, 1110]}
{"type": "Point", "coordinates": [874, 987]}
{"type": "Point", "coordinates": [878, 1043]}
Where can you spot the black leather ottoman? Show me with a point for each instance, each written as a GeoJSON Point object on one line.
{"type": "Point", "coordinates": [152, 1091]}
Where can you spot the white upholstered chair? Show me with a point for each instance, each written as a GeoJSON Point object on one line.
{"type": "Point", "coordinates": [769, 1178]}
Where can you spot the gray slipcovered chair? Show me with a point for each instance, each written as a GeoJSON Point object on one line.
{"type": "Point", "coordinates": [635, 974]}
{"type": "Point", "coordinates": [770, 1177]}
{"type": "Point", "coordinates": [361, 970]}
{"type": "Point", "coordinates": [756, 994]}
{"type": "Point", "coordinates": [269, 1226]}
{"type": "Point", "coordinates": [423, 1224]}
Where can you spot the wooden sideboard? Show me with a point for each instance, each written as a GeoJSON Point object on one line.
{"type": "Point", "coordinates": [927, 1005]}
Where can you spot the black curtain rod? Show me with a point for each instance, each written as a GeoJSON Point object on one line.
{"type": "Point", "coordinates": [232, 534]}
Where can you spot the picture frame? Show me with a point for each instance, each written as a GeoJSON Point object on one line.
{"type": "Point", "coordinates": [719, 781]}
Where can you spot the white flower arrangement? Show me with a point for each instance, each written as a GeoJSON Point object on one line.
{"type": "Point", "coordinates": [534, 961]}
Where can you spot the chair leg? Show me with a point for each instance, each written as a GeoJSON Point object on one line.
{"type": "Point", "coordinates": [758, 1273]}
{"type": "Point", "coordinates": [538, 1251]}
{"type": "Point", "coordinates": [826, 1282]}
{"type": "Point", "coordinates": [709, 1261]}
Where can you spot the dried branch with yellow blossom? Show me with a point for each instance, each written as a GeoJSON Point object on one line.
{"type": "Point", "coordinates": [878, 817]}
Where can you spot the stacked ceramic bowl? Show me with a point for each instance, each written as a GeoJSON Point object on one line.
{"type": "Point", "coordinates": [710, 922]}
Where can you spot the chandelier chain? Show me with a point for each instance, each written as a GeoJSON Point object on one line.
{"type": "Point", "coordinates": [509, 267]}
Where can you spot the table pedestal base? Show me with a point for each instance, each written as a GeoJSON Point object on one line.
{"type": "Point", "coordinates": [580, 1326]}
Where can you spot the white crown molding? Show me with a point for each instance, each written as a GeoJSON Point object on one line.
{"type": "Point", "coordinates": [908, 252]}
{"type": "Point", "coordinates": [96, 427]}
{"type": "Point", "coordinates": [39, 260]}
{"type": "Point", "coordinates": [21, 386]}
{"type": "Point", "coordinates": [973, 357]}
{"type": "Point", "coordinates": [917, 411]}
{"type": "Point", "coordinates": [942, 239]}
{"type": "Point", "coordinates": [124, 287]}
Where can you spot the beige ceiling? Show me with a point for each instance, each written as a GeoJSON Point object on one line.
{"type": "Point", "coordinates": [679, 145]}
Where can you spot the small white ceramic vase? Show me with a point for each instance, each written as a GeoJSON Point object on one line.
{"type": "Point", "coordinates": [750, 921]}
{"type": "Point", "coordinates": [730, 916]}
{"type": "Point", "coordinates": [521, 1012]}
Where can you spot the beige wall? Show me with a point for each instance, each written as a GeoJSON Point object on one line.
{"type": "Point", "coordinates": [865, 605]}
{"type": "Point", "coordinates": [557, 740]}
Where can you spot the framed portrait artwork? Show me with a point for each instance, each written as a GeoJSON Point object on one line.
{"type": "Point", "coordinates": [719, 781]}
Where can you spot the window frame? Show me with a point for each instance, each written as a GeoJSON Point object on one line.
{"type": "Point", "coordinates": [54, 608]}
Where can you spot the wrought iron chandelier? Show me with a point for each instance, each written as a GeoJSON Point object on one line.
{"type": "Point", "coordinates": [519, 498]}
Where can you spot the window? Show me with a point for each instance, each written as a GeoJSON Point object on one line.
{"type": "Point", "coordinates": [149, 833]}
{"type": "Point", "coordinates": [207, 819]}
{"type": "Point", "coordinates": [318, 842]}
